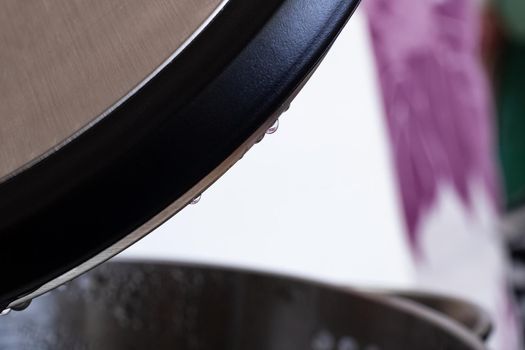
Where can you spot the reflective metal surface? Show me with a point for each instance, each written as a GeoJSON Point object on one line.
{"type": "Point", "coordinates": [162, 306]}
{"type": "Point", "coordinates": [63, 63]}
{"type": "Point", "coordinates": [470, 315]}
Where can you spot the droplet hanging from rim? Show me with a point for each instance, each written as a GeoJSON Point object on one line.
{"type": "Point", "coordinates": [196, 200]}
{"type": "Point", "coordinates": [273, 129]}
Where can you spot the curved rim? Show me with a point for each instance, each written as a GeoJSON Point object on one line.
{"type": "Point", "coordinates": [407, 307]}
{"type": "Point", "coordinates": [162, 146]}
{"type": "Point", "coordinates": [155, 222]}
{"type": "Point", "coordinates": [479, 321]}
{"type": "Point", "coordinates": [438, 320]}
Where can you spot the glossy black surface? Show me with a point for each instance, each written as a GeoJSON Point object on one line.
{"type": "Point", "coordinates": [152, 149]}
{"type": "Point", "coordinates": [127, 306]}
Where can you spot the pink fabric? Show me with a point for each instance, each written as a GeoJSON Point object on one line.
{"type": "Point", "coordinates": [435, 96]}
{"type": "Point", "coordinates": [438, 111]}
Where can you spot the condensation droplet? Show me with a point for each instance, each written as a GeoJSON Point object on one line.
{"type": "Point", "coordinates": [196, 200]}
{"type": "Point", "coordinates": [347, 343]}
{"type": "Point", "coordinates": [5, 312]}
{"type": "Point", "coordinates": [273, 129]}
{"type": "Point", "coordinates": [323, 341]}
{"type": "Point", "coordinates": [21, 306]}
{"type": "Point", "coordinates": [260, 138]}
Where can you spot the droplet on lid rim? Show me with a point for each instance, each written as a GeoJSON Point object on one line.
{"type": "Point", "coordinates": [273, 128]}
{"type": "Point", "coordinates": [21, 306]}
{"type": "Point", "coordinates": [196, 200]}
{"type": "Point", "coordinates": [260, 138]}
{"type": "Point", "coordinates": [5, 312]}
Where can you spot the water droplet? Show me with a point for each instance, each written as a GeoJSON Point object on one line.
{"type": "Point", "coordinates": [260, 138]}
{"type": "Point", "coordinates": [323, 341]}
{"type": "Point", "coordinates": [273, 129]}
{"type": "Point", "coordinates": [5, 312]}
{"type": "Point", "coordinates": [347, 343]}
{"type": "Point", "coordinates": [22, 306]}
{"type": "Point", "coordinates": [196, 200]}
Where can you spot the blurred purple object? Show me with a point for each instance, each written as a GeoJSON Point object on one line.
{"type": "Point", "coordinates": [436, 98]}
